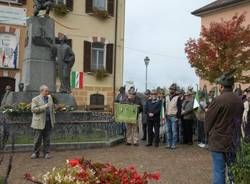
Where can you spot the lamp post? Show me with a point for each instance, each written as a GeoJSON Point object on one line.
{"type": "Point", "coordinates": [146, 61]}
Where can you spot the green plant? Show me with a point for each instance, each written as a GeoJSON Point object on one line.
{"type": "Point", "coordinates": [101, 13]}
{"type": "Point", "coordinates": [241, 168]}
{"type": "Point", "coordinates": [60, 9]}
{"type": "Point", "coordinates": [17, 109]}
{"type": "Point", "coordinates": [100, 74]}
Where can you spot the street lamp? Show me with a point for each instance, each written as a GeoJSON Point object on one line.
{"type": "Point", "coordinates": [146, 61]}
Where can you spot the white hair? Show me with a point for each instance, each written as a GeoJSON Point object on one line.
{"type": "Point", "coordinates": [43, 87]}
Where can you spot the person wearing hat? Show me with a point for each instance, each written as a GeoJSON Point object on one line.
{"type": "Point", "coordinates": [171, 117]}
{"type": "Point", "coordinates": [153, 110]}
{"type": "Point", "coordinates": [211, 95]}
{"type": "Point", "coordinates": [200, 115]}
{"type": "Point", "coordinates": [122, 95]}
{"type": "Point", "coordinates": [144, 115]}
{"type": "Point", "coordinates": [178, 115]}
{"type": "Point", "coordinates": [246, 115]}
{"type": "Point", "coordinates": [223, 127]}
{"type": "Point", "coordinates": [132, 133]}
{"type": "Point", "coordinates": [6, 94]}
{"type": "Point", "coordinates": [188, 117]}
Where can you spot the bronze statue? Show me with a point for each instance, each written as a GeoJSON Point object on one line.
{"type": "Point", "coordinates": [65, 59]}
{"type": "Point", "coordinates": [42, 5]}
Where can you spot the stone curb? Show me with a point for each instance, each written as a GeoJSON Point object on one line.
{"type": "Point", "coordinates": [70, 146]}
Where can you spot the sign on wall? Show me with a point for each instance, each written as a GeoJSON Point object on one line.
{"type": "Point", "coordinates": [13, 16]}
{"type": "Point", "coordinates": [9, 45]}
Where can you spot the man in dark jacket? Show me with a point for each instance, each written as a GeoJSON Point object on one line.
{"type": "Point", "coordinates": [153, 109]}
{"type": "Point", "coordinates": [223, 127]}
{"type": "Point", "coordinates": [144, 115]}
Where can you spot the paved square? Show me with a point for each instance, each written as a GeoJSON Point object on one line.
{"type": "Point", "coordinates": [185, 165]}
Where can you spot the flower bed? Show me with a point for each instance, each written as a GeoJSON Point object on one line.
{"type": "Point", "coordinates": [82, 171]}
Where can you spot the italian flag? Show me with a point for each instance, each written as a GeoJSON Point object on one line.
{"type": "Point", "coordinates": [76, 79]}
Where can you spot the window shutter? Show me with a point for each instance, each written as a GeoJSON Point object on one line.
{"type": "Point", "coordinates": [109, 58]}
{"type": "Point", "coordinates": [69, 42]}
{"type": "Point", "coordinates": [69, 5]}
{"type": "Point", "coordinates": [22, 1]}
{"type": "Point", "coordinates": [111, 6]}
{"type": "Point", "coordinates": [89, 6]}
{"type": "Point", "coordinates": [87, 56]}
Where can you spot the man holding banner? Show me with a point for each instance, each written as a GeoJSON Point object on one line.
{"type": "Point", "coordinates": [132, 127]}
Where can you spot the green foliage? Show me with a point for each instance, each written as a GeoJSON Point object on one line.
{"type": "Point", "coordinates": [101, 13]}
{"type": "Point", "coordinates": [100, 74]}
{"type": "Point", "coordinates": [26, 108]}
{"type": "Point", "coordinates": [241, 169]}
{"type": "Point", "coordinates": [60, 9]}
{"type": "Point", "coordinates": [17, 109]}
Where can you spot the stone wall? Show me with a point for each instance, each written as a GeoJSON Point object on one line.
{"type": "Point", "coordinates": [75, 127]}
{"type": "Point", "coordinates": [82, 96]}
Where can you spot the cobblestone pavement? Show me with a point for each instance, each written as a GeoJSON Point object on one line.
{"type": "Point", "coordinates": [185, 165]}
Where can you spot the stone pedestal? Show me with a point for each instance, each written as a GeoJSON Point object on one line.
{"type": "Point", "coordinates": [39, 67]}
{"type": "Point", "coordinates": [15, 98]}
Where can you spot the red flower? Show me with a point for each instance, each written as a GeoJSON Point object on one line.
{"type": "Point", "coordinates": [74, 162]}
{"type": "Point", "coordinates": [28, 176]}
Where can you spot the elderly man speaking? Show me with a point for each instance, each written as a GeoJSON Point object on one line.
{"type": "Point", "coordinates": [42, 121]}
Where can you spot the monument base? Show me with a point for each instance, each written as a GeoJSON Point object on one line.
{"type": "Point", "coordinates": [26, 97]}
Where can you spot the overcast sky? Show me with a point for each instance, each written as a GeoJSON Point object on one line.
{"type": "Point", "coordinates": [159, 29]}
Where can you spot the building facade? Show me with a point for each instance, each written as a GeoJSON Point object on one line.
{"type": "Point", "coordinates": [223, 9]}
{"type": "Point", "coordinates": [95, 29]}
{"type": "Point", "coordinates": [13, 14]}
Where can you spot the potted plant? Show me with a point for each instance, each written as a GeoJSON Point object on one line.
{"type": "Point", "coordinates": [100, 74]}
{"type": "Point", "coordinates": [60, 9]}
{"type": "Point", "coordinates": [84, 171]}
{"type": "Point", "coordinates": [100, 13]}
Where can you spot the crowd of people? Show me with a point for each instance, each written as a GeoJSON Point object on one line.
{"type": "Point", "coordinates": [218, 119]}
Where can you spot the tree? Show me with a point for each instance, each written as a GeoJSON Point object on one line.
{"type": "Point", "coordinates": [223, 46]}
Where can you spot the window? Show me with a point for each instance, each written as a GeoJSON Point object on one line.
{"type": "Point", "coordinates": [97, 56]}
{"type": "Point", "coordinates": [60, 2]}
{"type": "Point", "coordinates": [102, 5]}
{"type": "Point", "coordinates": [99, 4]}
{"type": "Point", "coordinates": [97, 60]}
{"type": "Point", "coordinates": [69, 3]}
{"type": "Point", "coordinates": [97, 102]}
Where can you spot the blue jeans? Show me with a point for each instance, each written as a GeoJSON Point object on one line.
{"type": "Point", "coordinates": [220, 162]}
{"type": "Point", "coordinates": [219, 167]}
{"type": "Point", "coordinates": [171, 130]}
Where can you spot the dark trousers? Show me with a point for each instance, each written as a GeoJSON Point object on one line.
{"type": "Point", "coordinates": [42, 136]}
{"type": "Point", "coordinates": [201, 132]}
{"type": "Point", "coordinates": [153, 131]}
{"type": "Point", "coordinates": [144, 130]}
{"type": "Point", "coordinates": [187, 131]}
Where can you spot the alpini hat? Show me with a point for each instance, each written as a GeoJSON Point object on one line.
{"type": "Point", "coordinates": [173, 86]}
{"type": "Point", "coordinates": [226, 79]}
{"type": "Point", "coordinates": [147, 92]}
{"type": "Point", "coordinates": [132, 91]}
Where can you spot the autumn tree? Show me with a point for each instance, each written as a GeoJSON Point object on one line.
{"type": "Point", "coordinates": [223, 46]}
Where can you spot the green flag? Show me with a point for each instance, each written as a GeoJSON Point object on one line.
{"type": "Point", "coordinates": [196, 99]}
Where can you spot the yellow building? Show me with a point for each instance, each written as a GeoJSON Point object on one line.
{"type": "Point", "coordinates": [13, 15]}
{"type": "Point", "coordinates": [223, 9]}
{"type": "Point", "coordinates": [95, 29]}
